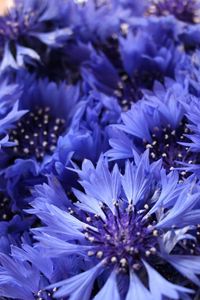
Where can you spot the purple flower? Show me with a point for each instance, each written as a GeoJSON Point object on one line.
{"type": "Point", "coordinates": [122, 226]}
{"type": "Point", "coordinates": [27, 28]}
{"type": "Point", "coordinates": [162, 122]}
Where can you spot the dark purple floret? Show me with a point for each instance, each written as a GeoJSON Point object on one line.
{"type": "Point", "coordinates": [190, 246]}
{"type": "Point", "coordinates": [122, 239]}
{"type": "Point", "coordinates": [45, 295]}
{"type": "Point", "coordinates": [36, 134]}
{"type": "Point", "coordinates": [5, 208]}
{"type": "Point", "coordinates": [129, 89]}
{"type": "Point", "coordinates": [184, 10]}
{"type": "Point", "coordinates": [165, 144]}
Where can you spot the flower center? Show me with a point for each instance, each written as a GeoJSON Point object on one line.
{"type": "Point", "coordinates": [5, 210]}
{"type": "Point", "coordinates": [183, 10]}
{"type": "Point", "coordinates": [36, 134]}
{"type": "Point", "coordinates": [129, 89]}
{"type": "Point", "coordinates": [42, 295]}
{"type": "Point", "coordinates": [127, 92]}
{"type": "Point", "coordinates": [123, 239]}
{"type": "Point", "coordinates": [165, 145]}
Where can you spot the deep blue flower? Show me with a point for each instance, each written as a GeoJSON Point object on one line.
{"type": "Point", "coordinates": [86, 17]}
{"type": "Point", "coordinates": [133, 59]}
{"type": "Point", "coordinates": [28, 27]}
{"type": "Point", "coordinates": [127, 229]}
{"type": "Point", "coordinates": [42, 114]}
{"type": "Point", "coordinates": [40, 117]}
{"type": "Point", "coordinates": [13, 227]}
{"type": "Point", "coordinates": [43, 36]}
{"type": "Point", "coordinates": [76, 76]}
{"type": "Point", "coordinates": [88, 135]}
{"type": "Point", "coordinates": [161, 122]}
{"type": "Point", "coordinates": [24, 273]}
{"type": "Point", "coordinates": [139, 48]}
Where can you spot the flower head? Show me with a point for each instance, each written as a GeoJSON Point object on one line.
{"type": "Point", "coordinates": [122, 227]}
{"type": "Point", "coordinates": [40, 117]}
{"type": "Point", "coordinates": [44, 112]}
{"type": "Point", "coordinates": [88, 137]}
{"type": "Point", "coordinates": [27, 28]}
{"type": "Point", "coordinates": [133, 60]}
{"type": "Point", "coordinates": [161, 122]}
{"type": "Point", "coordinates": [26, 271]}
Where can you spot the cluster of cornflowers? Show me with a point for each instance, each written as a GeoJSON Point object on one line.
{"type": "Point", "coordinates": [100, 150]}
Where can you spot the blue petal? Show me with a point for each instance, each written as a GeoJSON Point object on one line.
{"type": "Point", "coordinates": [23, 51]}
{"type": "Point", "coordinates": [169, 190]}
{"type": "Point", "coordinates": [40, 261]}
{"type": "Point", "coordinates": [135, 180]}
{"type": "Point", "coordinates": [187, 265]}
{"type": "Point", "coordinates": [51, 193]}
{"type": "Point", "coordinates": [55, 247]}
{"type": "Point", "coordinates": [185, 203]}
{"type": "Point", "coordinates": [8, 60]}
{"type": "Point", "coordinates": [52, 38]}
{"type": "Point", "coordinates": [14, 115]}
{"type": "Point", "coordinates": [162, 286]}
{"type": "Point", "coordinates": [58, 221]}
{"type": "Point", "coordinates": [122, 146]}
{"type": "Point", "coordinates": [137, 290]}
{"type": "Point", "coordinates": [109, 290]}
{"type": "Point", "coordinates": [88, 204]}
{"type": "Point", "coordinates": [103, 185]}
{"type": "Point", "coordinates": [79, 286]}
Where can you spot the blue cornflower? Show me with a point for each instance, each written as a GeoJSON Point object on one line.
{"type": "Point", "coordinates": [162, 123]}
{"type": "Point", "coordinates": [12, 226]}
{"type": "Point", "coordinates": [24, 273]}
{"type": "Point", "coordinates": [139, 49]}
{"type": "Point", "coordinates": [133, 59]}
{"type": "Point", "coordinates": [40, 116]}
{"type": "Point", "coordinates": [187, 11]}
{"type": "Point", "coordinates": [129, 228]}
{"type": "Point", "coordinates": [87, 137]}
{"type": "Point", "coordinates": [86, 17]}
{"type": "Point", "coordinates": [28, 27]}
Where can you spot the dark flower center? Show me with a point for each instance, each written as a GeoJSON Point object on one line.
{"type": "Point", "coordinates": [183, 10]}
{"type": "Point", "coordinates": [36, 134]}
{"type": "Point", "coordinates": [129, 89]}
{"type": "Point", "coordinates": [5, 209]}
{"type": "Point", "coordinates": [43, 295]}
{"type": "Point", "coordinates": [190, 246]}
{"type": "Point", "coordinates": [124, 238]}
{"type": "Point", "coordinates": [165, 144]}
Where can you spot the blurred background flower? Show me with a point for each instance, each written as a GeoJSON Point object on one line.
{"type": "Point", "coordinates": [4, 5]}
